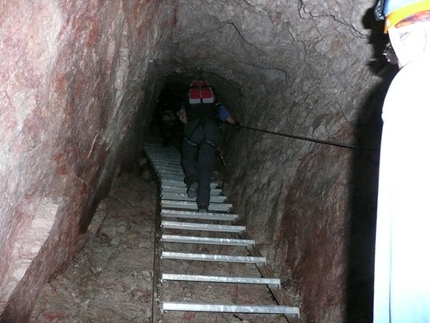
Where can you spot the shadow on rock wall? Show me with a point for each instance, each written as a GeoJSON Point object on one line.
{"type": "Point", "coordinates": [363, 206]}
{"type": "Point", "coordinates": [364, 183]}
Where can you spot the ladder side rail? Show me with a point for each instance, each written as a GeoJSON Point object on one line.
{"type": "Point", "coordinates": [156, 273]}
{"type": "Point", "coordinates": [266, 271]}
{"type": "Point", "coordinates": [163, 167]}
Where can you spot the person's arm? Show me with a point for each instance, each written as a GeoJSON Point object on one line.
{"type": "Point", "coordinates": [224, 115]}
{"type": "Point", "coordinates": [231, 121]}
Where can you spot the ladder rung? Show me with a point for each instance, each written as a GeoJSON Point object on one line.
{"type": "Point", "coordinates": [163, 170]}
{"type": "Point", "coordinates": [160, 156]}
{"type": "Point", "coordinates": [158, 147]}
{"type": "Point", "coordinates": [198, 215]}
{"type": "Point", "coordinates": [171, 183]}
{"type": "Point", "coordinates": [169, 176]}
{"type": "Point", "coordinates": [180, 183]}
{"type": "Point", "coordinates": [167, 160]}
{"type": "Point", "coordinates": [183, 197]}
{"type": "Point", "coordinates": [202, 226]}
{"type": "Point", "coordinates": [164, 163]}
{"type": "Point", "coordinates": [222, 279]}
{"type": "Point", "coordinates": [207, 240]}
{"type": "Point", "coordinates": [233, 308]}
{"type": "Point", "coordinates": [182, 190]}
{"type": "Point", "coordinates": [210, 257]}
{"type": "Point", "coordinates": [187, 205]}
{"type": "Point", "coordinates": [158, 163]}
{"type": "Point", "coordinates": [167, 168]}
{"type": "Point", "coordinates": [163, 156]}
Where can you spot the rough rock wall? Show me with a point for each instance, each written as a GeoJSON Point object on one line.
{"type": "Point", "coordinates": [74, 73]}
{"type": "Point", "coordinates": [77, 73]}
{"type": "Point", "coordinates": [295, 67]}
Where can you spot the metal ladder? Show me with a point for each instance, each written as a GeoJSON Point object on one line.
{"type": "Point", "coordinates": [180, 227]}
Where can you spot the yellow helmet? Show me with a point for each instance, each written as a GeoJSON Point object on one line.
{"type": "Point", "coordinates": [397, 10]}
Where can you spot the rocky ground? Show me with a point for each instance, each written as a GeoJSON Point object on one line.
{"type": "Point", "coordinates": [110, 280]}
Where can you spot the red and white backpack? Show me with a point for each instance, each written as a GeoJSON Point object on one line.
{"type": "Point", "coordinates": [200, 92]}
{"type": "Point", "coordinates": [201, 102]}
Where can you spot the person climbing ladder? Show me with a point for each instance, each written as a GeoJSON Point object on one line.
{"type": "Point", "coordinates": [199, 114]}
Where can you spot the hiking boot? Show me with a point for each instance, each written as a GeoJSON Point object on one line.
{"type": "Point", "coordinates": [203, 209]}
{"type": "Point", "coordinates": [192, 190]}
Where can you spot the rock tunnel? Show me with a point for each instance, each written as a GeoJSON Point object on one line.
{"type": "Point", "coordinates": [79, 84]}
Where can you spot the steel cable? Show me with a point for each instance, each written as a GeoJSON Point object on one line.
{"type": "Point", "coordinates": [325, 142]}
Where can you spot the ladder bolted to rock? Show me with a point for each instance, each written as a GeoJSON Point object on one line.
{"type": "Point", "coordinates": [179, 225]}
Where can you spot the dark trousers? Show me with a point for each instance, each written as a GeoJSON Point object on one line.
{"type": "Point", "coordinates": [198, 155]}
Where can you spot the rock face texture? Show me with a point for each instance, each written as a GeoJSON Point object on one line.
{"type": "Point", "coordinates": [78, 84]}
{"type": "Point", "coordinates": [75, 79]}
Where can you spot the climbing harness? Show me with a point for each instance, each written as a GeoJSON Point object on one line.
{"type": "Point", "coordinates": [191, 142]}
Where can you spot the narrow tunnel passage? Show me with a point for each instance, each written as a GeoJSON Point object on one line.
{"type": "Point", "coordinates": [103, 285]}
{"type": "Point", "coordinates": [79, 90]}
{"type": "Point", "coordinates": [129, 207]}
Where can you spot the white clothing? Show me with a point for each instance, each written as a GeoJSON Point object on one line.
{"type": "Point", "coordinates": [402, 259]}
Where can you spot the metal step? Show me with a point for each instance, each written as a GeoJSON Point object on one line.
{"type": "Point", "coordinates": [180, 183]}
{"type": "Point", "coordinates": [185, 205]}
{"type": "Point", "coordinates": [184, 197]}
{"type": "Point", "coordinates": [181, 190]}
{"type": "Point", "coordinates": [176, 205]}
{"type": "Point", "coordinates": [169, 171]}
{"type": "Point", "coordinates": [169, 168]}
{"type": "Point", "coordinates": [165, 156]}
{"type": "Point", "coordinates": [161, 150]}
{"type": "Point", "coordinates": [211, 257]}
{"type": "Point", "coordinates": [202, 227]}
{"type": "Point", "coordinates": [169, 176]}
{"type": "Point", "coordinates": [173, 160]}
{"type": "Point", "coordinates": [232, 308]}
{"type": "Point", "coordinates": [198, 215]}
{"type": "Point", "coordinates": [163, 153]}
{"type": "Point", "coordinates": [171, 183]}
{"type": "Point", "coordinates": [207, 240]}
{"type": "Point", "coordinates": [158, 154]}
{"type": "Point", "coordinates": [168, 165]}
{"type": "Point", "coordinates": [156, 163]}
{"type": "Point", "coordinates": [222, 279]}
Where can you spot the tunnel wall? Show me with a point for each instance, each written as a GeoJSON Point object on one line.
{"type": "Point", "coordinates": [76, 86]}
{"type": "Point", "coordinates": [79, 78]}
{"type": "Point", "coordinates": [302, 68]}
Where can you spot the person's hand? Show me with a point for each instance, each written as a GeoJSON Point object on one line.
{"type": "Point", "coordinates": [183, 117]}
{"type": "Point", "coordinates": [236, 126]}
